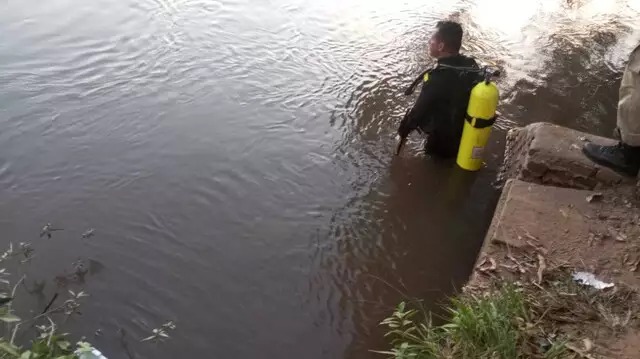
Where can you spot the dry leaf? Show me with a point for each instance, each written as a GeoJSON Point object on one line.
{"type": "Point", "coordinates": [513, 268]}
{"type": "Point", "coordinates": [618, 236]}
{"type": "Point", "coordinates": [581, 353]}
{"type": "Point", "coordinates": [492, 265]}
{"type": "Point", "coordinates": [518, 264]}
{"type": "Point", "coordinates": [542, 265]}
{"type": "Point", "coordinates": [537, 247]}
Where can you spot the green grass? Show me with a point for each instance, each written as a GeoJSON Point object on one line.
{"type": "Point", "coordinates": [487, 327]}
{"type": "Point", "coordinates": [493, 326]}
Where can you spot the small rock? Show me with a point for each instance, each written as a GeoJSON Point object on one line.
{"type": "Point", "coordinates": [595, 197]}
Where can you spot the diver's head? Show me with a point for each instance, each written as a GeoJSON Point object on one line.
{"type": "Point", "coordinates": [447, 39]}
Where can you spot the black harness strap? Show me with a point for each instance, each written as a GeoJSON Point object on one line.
{"type": "Point", "coordinates": [415, 83]}
{"type": "Point", "coordinates": [479, 122]}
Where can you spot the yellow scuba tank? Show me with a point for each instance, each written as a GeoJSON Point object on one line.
{"type": "Point", "coordinates": [481, 114]}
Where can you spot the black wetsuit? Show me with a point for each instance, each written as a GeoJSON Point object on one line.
{"type": "Point", "coordinates": [441, 107]}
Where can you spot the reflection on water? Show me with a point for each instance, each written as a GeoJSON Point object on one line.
{"type": "Point", "coordinates": [235, 157]}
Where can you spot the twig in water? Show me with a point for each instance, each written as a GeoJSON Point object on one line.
{"type": "Point", "coordinates": [403, 294]}
{"type": "Point", "coordinates": [406, 296]}
{"type": "Point", "coordinates": [53, 299]}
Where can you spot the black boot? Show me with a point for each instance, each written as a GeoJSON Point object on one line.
{"type": "Point", "coordinates": [621, 158]}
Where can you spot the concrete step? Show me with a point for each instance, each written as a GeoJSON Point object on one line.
{"type": "Point", "coordinates": [549, 154]}
{"type": "Point", "coordinates": [601, 236]}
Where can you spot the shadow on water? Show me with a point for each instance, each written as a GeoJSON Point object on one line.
{"type": "Point", "coordinates": [421, 245]}
{"type": "Point", "coordinates": [411, 229]}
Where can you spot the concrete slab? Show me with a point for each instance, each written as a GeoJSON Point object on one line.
{"type": "Point", "coordinates": [602, 236]}
{"type": "Point", "coordinates": [549, 154]}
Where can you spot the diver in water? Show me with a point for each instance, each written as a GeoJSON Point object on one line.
{"type": "Point", "coordinates": [440, 109]}
{"type": "Point", "coordinates": [625, 156]}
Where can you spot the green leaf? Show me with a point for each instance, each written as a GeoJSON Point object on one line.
{"type": "Point", "coordinates": [63, 344]}
{"type": "Point", "coordinates": [9, 318]}
{"type": "Point", "coordinates": [401, 307]}
{"type": "Point", "coordinates": [26, 355]}
{"type": "Point", "coordinates": [5, 300]}
{"type": "Point", "coordinates": [84, 347]}
{"type": "Point", "coordinates": [40, 347]}
{"type": "Point", "coordinates": [9, 349]}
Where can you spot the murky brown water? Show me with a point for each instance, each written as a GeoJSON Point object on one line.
{"type": "Point", "coordinates": [235, 158]}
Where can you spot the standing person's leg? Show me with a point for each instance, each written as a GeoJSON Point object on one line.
{"type": "Point", "coordinates": [624, 157]}
{"type": "Point", "coordinates": [629, 103]}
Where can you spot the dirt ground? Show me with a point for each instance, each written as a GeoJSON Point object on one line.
{"type": "Point", "coordinates": [541, 235]}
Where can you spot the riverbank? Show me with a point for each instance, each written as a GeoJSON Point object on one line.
{"type": "Point", "coordinates": [559, 216]}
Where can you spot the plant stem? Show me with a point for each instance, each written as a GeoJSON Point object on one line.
{"type": "Point", "coordinates": [53, 328]}
{"type": "Point", "coordinates": [13, 335]}
{"type": "Point", "coordinates": [13, 295]}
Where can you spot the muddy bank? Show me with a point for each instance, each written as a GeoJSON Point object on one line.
{"type": "Point", "coordinates": [560, 214]}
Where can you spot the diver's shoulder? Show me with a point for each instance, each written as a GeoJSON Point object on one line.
{"type": "Point", "coordinates": [469, 60]}
{"type": "Point", "coordinates": [459, 60]}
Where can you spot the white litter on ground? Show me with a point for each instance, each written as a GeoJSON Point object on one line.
{"type": "Point", "coordinates": [590, 279]}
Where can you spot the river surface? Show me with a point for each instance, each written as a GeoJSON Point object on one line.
{"type": "Point", "coordinates": [235, 159]}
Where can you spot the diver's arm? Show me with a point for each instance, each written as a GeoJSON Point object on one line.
{"type": "Point", "coordinates": [420, 110]}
